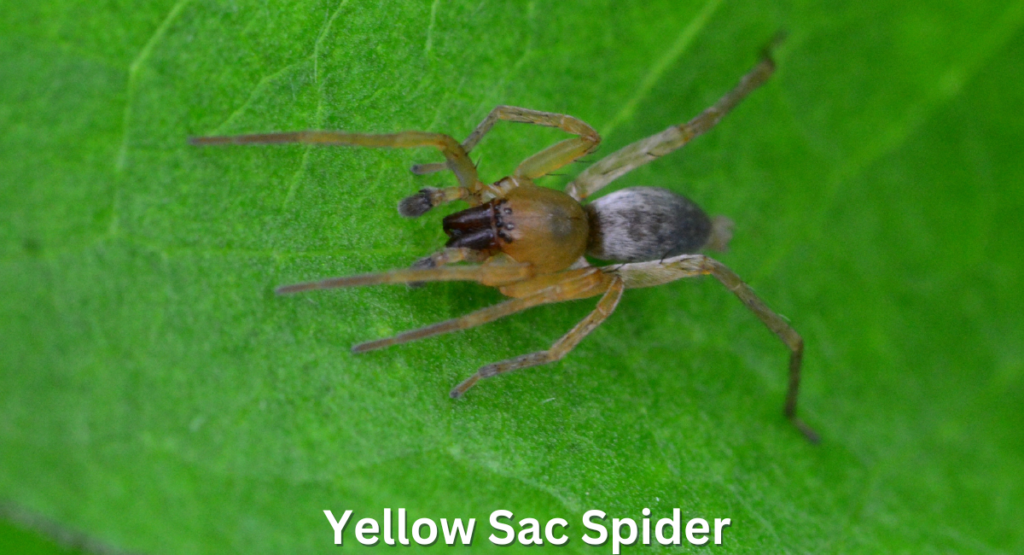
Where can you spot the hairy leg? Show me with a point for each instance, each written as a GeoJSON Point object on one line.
{"type": "Point", "coordinates": [569, 288]}
{"type": "Point", "coordinates": [487, 274]}
{"type": "Point", "coordinates": [780, 328]}
{"type": "Point", "coordinates": [543, 162]}
{"type": "Point", "coordinates": [456, 157]}
{"type": "Point", "coordinates": [647, 274]}
{"type": "Point", "coordinates": [646, 150]}
{"type": "Point", "coordinates": [559, 349]}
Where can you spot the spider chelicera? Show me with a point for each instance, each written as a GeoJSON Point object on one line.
{"type": "Point", "coordinates": [530, 241]}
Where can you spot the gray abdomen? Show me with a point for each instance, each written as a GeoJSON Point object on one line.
{"type": "Point", "coordinates": [645, 223]}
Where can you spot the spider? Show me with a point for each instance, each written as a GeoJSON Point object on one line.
{"type": "Point", "coordinates": [529, 241]}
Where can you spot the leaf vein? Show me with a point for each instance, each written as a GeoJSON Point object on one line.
{"type": "Point", "coordinates": [133, 72]}
{"type": "Point", "coordinates": [657, 71]}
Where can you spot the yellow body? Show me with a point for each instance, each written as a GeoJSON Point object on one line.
{"type": "Point", "coordinates": [548, 228]}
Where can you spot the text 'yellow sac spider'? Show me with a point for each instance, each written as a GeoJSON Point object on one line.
{"type": "Point", "coordinates": [530, 241]}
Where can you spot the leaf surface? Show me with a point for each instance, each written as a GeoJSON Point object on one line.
{"type": "Point", "coordinates": [159, 398]}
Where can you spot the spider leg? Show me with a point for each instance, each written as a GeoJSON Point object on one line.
{"type": "Point", "coordinates": [543, 162]}
{"type": "Point", "coordinates": [556, 156]}
{"type": "Point", "coordinates": [646, 150]}
{"type": "Point", "coordinates": [451, 256]}
{"type": "Point", "coordinates": [427, 198]}
{"type": "Point", "coordinates": [647, 274]}
{"type": "Point", "coordinates": [487, 274]}
{"type": "Point", "coordinates": [456, 157]}
{"type": "Point", "coordinates": [427, 169]}
{"type": "Point", "coordinates": [559, 349]}
{"type": "Point", "coordinates": [445, 257]}
{"type": "Point", "coordinates": [574, 285]}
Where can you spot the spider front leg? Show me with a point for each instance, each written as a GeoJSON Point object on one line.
{"type": "Point", "coordinates": [559, 349]}
{"type": "Point", "coordinates": [492, 274]}
{"type": "Point", "coordinates": [544, 162]}
{"type": "Point", "coordinates": [572, 284]}
{"type": "Point", "coordinates": [456, 158]}
{"type": "Point", "coordinates": [648, 274]}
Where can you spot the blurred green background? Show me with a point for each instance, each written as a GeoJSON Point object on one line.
{"type": "Point", "coordinates": [156, 397]}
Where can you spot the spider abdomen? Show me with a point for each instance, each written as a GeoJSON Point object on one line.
{"type": "Point", "coordinates": [645, 223]}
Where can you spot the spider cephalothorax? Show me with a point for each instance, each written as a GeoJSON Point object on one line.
{"type": "Point", "coordinates": [533, 225]}
{"type": "Point", "coordinates": [530, 241]}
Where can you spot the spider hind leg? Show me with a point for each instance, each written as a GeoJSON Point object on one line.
{"type": "Point", "coordinates": [558, 350]}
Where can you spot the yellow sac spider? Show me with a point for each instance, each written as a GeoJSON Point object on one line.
{"type": "Point", "coordinates": [530, 241]}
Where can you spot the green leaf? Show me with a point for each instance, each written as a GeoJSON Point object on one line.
{"type": "Point", "coordinates": [157, 397]}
